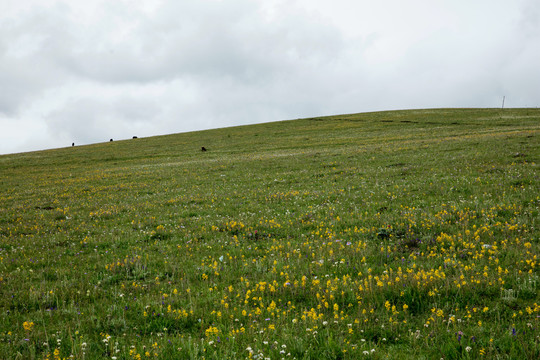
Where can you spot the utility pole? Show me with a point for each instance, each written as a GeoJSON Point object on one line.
{"type": "Point", "coordinates": [503, 103]}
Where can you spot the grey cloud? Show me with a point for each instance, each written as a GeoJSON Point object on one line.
{"type": "Point", "coordinates": [29, 53]}
{"type": "Point", "coordinates": [211, 39]}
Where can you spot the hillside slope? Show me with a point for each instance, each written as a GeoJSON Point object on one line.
{"type": "Point", "coordinates": [400, 234]}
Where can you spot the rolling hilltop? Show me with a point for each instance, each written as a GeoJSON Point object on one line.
{"type": "Point", "coordinates": [400, 234]}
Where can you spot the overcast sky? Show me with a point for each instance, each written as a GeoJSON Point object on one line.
{"type": "Point", "coordinates": [85, 71]}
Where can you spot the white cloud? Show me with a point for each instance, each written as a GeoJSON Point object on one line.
{"type": "Point", "coordinates": [86, 71]}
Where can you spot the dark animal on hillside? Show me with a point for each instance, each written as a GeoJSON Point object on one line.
{"type": "Point", "coordinates": [134, 137]}
{"type": "Point", "coordinates": [110, 140]}
{"type": "Point", "coordinates": [203, 148]}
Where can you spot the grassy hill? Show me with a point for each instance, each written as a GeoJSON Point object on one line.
{"type": "Point", "coordinates": [403, 234]}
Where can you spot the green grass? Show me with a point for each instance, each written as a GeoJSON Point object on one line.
{"type": "Point", "coordinates": [402, 234]}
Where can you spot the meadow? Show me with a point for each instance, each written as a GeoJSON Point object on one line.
{"type": "Point", "coordinates": [387, 235]}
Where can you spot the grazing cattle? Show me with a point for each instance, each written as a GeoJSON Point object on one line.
{"type": "Point", "coordinates": [134, 137]}
{"type": "Point", "coordinates": [203, 148]}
